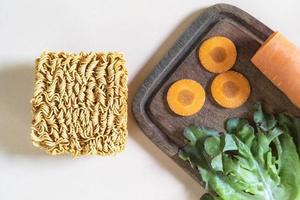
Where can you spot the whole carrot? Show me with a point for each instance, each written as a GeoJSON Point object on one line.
{"type": "Point", "coordinates": [279, 60]}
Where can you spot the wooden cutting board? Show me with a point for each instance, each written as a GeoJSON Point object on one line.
{"type": "Point", "coordinates": [150, 108]}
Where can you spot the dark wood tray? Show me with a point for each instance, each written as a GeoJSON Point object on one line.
{"type": "Point", "coordinates": [150, 109]}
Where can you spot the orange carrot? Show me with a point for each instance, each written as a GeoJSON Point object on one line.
{"type": "Point", "coordinates": [186, 97]}
{"type": "Point", "coordinates": [230, 89]}
{"type": "Point", "coordinates": [279, 60]}
{"type": "Point", "coordinates": [217, 54]}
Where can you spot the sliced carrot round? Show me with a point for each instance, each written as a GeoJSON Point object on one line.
{"type": "Point", "coordinates": [230, 89]}
{"type": "Point", "coordinates": [186, 97]}
{"type": "Point", "coordinates": [217, 54]}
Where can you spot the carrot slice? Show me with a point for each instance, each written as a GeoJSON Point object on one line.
{"type": "Point", "coordinates": [279, 60]}
{"type": "Point", "coordinates": [186, 97]}
{"type": "Point", "coordinates": [230, 89]}
{"type": "Point", "coordinates": [217, 54]}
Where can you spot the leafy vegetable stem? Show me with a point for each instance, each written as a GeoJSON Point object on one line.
{"type": "Point", "coordinates": [267, 189]}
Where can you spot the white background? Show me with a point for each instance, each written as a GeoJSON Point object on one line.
{"type": "Point", "coordinates": [144, 30]}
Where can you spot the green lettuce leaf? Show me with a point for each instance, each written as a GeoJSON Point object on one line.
{"type": "Point", "coordinates": [248, 162]}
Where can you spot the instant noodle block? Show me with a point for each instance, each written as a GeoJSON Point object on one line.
{"type": "Point", "coordinates": [79, 103]}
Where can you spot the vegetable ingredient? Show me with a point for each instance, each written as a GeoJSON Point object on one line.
{"type": "Point", "coordinates": [217, 54]}
{"type": "Point", "coordinates": [230, 89]}
{"type": "Point", "coordinates": [249, 162]}
{"type": "Point", "coordinates": [186, 97]}
{"type": "Point", "coordinates": [279, 60]}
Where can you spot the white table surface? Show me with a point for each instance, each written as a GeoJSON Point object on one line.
{"type": "Point", "coordinates": [144, 30]}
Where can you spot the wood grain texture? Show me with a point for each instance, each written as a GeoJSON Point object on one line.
{"type": "Point", "coordinates": [150, 108]}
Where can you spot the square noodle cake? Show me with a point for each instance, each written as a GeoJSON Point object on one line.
{"type": "Point", "coordinates": [79, 103]}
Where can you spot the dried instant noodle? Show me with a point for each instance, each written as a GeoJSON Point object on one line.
{"type": "Point", "coordinates": [79, 104]}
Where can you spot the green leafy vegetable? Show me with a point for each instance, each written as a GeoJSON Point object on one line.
{"type": "Point", "coordinates": [259, 162]}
